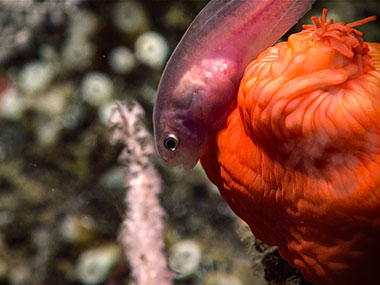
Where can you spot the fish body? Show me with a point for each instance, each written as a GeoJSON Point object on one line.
{"type": "Point", "coordinates": [298, 157]}
{"type": "Point", "coordinates": [202, 76]}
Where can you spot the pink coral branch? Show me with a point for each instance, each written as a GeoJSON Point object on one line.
{"type": "Point", "coordinates": [144, 226]}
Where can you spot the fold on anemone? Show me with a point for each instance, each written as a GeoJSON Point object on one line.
{"type": "Point", "coordinates": [298, 157]}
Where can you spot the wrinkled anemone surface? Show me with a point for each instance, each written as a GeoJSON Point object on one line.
{"type": "Point", "coordinates": [298, 158]}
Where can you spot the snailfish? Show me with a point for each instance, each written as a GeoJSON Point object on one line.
{"type": "Point", "coordinates": [202, 75]}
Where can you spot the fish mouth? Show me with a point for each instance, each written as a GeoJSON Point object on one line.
{"type": "Point", "coordinates": [189, 164]}
{"type": "Point", "coordinates": [186, 164]}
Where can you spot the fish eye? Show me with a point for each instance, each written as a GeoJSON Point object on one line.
{"type": "Point", "coordinates": [171, 142]}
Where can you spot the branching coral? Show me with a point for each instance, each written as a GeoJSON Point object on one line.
{"type": "Point", "coordinates": [144, 227]}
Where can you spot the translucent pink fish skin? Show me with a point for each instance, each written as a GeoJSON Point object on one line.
{"type": "Point", "coordinates": [201, 77]}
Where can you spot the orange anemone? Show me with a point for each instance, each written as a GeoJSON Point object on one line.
{"type": "Point", "coordinates": [298, 158]}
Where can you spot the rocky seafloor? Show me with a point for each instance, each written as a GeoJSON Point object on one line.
{"type": "Point", "coordinates": [63, 66]}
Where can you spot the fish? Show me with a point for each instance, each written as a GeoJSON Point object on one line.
{"type": "Point", "coordinates": [298, 156]}
{"type": "Point", "coordinates": [200, 79]}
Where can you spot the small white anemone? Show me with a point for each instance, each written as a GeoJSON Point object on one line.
{"type": "Point", "coordinates": [122, 60]}
{"type": "Point", "coordinates": [130, 17]}
{"type": "Point", "coordinates": [97, 89]}
{"type": "Point", "coordinates": [13, 104]}
{"type": "Point", "coordinates": [36, 76]}
{"type": "Point", "coordinates": [152, 49]}
{"type": "Point", "coordinates": [94, 265]}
